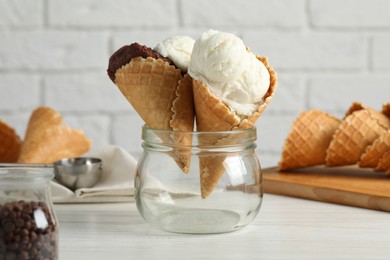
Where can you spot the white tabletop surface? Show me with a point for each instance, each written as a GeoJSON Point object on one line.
{"type": "Point", "coordinates": [285, 228]}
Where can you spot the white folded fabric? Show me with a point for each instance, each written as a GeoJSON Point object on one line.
{"type": "Point", "coordinates": [115, 185]}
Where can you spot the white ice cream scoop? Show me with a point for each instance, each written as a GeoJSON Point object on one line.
{"type": "Point", "coordinates": [232, 73]}
{"type": "Point", "coordinates": [218, 57]}
{"type": "Point", "coordinates": [178, 49]}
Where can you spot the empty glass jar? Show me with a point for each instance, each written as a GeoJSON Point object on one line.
{"type": "Point", "coordinates": [221, 191]}
{"type": "Point", "coordinates": [28, 227]}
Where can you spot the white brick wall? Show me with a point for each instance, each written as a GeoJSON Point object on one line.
{"type": "Point", "coordinates": [109, 14]}
{"type": "Point", "coordinates": [55, 53]}
{"type": "Point", "coordinates": [21, 13]}
{"type": "Point", "coordinates": [53, 50]}
{"type": "Point", "coordinates": [243, 14]}
{"type": "Point", "coordinates": [19, 92]}
{"type": "Point", "coordinates": [310, 51]}
{"type": "Point", "coordinates": [350, 13]}
{"type": "Point", "coordinates": [380, 52]}
{"type": "Point", "coordinates": [92, 92]}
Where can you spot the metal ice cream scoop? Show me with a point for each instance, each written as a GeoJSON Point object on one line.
{"type": "Point", "coordinates": [73, 173]}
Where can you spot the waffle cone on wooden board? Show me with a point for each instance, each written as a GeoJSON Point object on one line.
{"type": "Point", "coordinates": [375, 151]}
{"type": "Point", "coordinates": [384, 163]}
{"type": "Point", "coordinates": [48, 140]}
{"type": "Point", "coordinates": [308, 140]}
{"type": "Point", "coordinates": [361, 126]}
{"type": "Point", "coordinates": [10, 144]}
{"type": "Point", "coordinates": [162, 97]}
{"type": "Point", "coordinates": [386, 109]}
{"type": "Point", "coordinates": [213, 115]}
{"type": "Point", "coordinates": [382, 118]}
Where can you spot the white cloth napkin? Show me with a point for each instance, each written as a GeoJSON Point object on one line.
{"type": "Point", "coordinates": [115, 185]}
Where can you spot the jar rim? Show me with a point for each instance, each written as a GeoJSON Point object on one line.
{"type": "Point", "coordinates": [27, 173]}
{"type": "Point", "coordinates": [235, 131]}
{"type": "Point", "coordinates": [192, 139]}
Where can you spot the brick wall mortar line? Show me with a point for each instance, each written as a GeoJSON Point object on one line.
{"type": "Point", "coordinates": [46, 13]}
{"type": "Point", "coordinates": [307, 25]}
{"type": "Point", "coordinates": [42, 90]}
{"type": "Point", "coordinates": [179, 7]}
{"type": "Point", "coordinates": [369, 57]}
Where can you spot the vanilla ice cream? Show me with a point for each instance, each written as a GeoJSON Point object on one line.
{"type": "Point", "coordinates": [178, 49]}
{"type": "Point", "coordinates": [234, 75]}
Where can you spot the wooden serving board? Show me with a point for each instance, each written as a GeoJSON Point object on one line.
{"type": "Point", "coordinates": [351, 185]}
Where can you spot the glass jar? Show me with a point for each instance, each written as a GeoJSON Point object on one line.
{"type": "Point", "coordinates": [221, 192]}
{"type": "Point", "coordinates": [28, 228]}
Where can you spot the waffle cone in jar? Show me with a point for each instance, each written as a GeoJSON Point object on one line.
{"type": "Point", "coordinates": [308, 140]}
{"type": "Point", "coordinates": [375, 151]}
{"type": "Point", "coordinates": [10, 144]}
{"type": "Point", "coordinates": [361, 126]}
{"type": "Point", "coordinates": [213, 115]}
{"type": "Point", "coordinates": [183, 120]}
{"type": "Point", "coordinates": [163, 99]}
{"type": "Point", "coordinates": [48, 140]}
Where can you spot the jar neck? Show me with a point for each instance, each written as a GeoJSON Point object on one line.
{"type": "Point", "coordinates": [225, 140]}
{"type": "Point", "coordinates": [24, 175]}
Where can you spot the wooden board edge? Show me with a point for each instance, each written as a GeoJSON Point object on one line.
{"type": "Point", "coordinates": [327, 195]}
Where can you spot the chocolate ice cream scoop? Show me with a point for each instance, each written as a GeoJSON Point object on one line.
{"type": "Point", "coordinates": [124, 55]}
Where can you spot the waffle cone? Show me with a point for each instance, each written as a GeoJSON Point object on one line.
{"type": "Point", "coordinates": [308, 140]}
{"type": "Point", "coordinates": [384, 163]}
{"type": "Point", "coordinates": [359, 129]}
{"type": "Point", "coordinates": [183, 120]}
{"type": "Point", "coordinates": [356, 106]}
{"type": "Point", "coordinates": [10, 144]}
{"type": "Point", "coordinates": [48, 140]}
{"type": "Point", "coordinates": [381, 118]}
{"type": "Point", "coordinates": [162, 97]}
{"type": "Point", "coordinates": [213, 115]}
{"type": "Point", "coordinates": [386, 109]}
{"type": "Point", "coordinates": [375, 151]}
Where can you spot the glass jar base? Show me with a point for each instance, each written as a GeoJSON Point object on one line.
{"type": "Point", "coordinates": [224, 211]}
{"type": "Point", "coordinates": [199, 221]}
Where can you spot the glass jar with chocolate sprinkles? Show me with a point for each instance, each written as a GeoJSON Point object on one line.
{"type": "Point", "coordinates": [28, 225]}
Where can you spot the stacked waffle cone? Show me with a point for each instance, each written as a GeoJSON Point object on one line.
{"type": "Point", "coordinates": [10, 143]}
{"type": "Point", "coordinates": [46, 140]}
{"type": "Point", "coordinates": [308, 140]}
{"type": "Point", "coordinates": [373, 153]}
{"type": "Point", "coordinates": [361, 137]}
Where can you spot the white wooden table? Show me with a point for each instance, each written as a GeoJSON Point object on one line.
{"type": "Point", "coordinates": [286, 228]}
